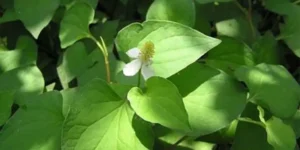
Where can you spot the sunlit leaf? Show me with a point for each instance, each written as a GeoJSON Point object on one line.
{"type": "Point", "coordinates": [35, 126]}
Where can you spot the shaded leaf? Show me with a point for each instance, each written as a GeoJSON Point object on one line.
{"type": "Point", "coordinates": [35, 14]}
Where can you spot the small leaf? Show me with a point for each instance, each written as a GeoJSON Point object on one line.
{"type": "Point", "coordinates": [35, 14]}
{"type": "Point", "coordinates": [26, 81]}
{"type": "Point", "coordinates": [280, 135]}
{"type": "Point", "coordinates": [212, 98]}
{"type": "Point", "coordinates": [237, 27]}
{"type": "Point", "coordinates": [73, 63]}
{"type": "Point", "coordinates": [272, 87]}
{"type": "Point", "coordinates": [6, 101]}
{"type": "Point", "coordinates": [36, 126]}
{"type": "Point", "coordinates": [161, 103]}
{"type": "Point", "coordinates": [75, 24]}
{"type": "Point", "coordinates": [168, 10]}
{"type": "Point", "coordinates": [266, 49]}
{"type": "Point", "coordinates": [230, 55]}
{"type": "Point", "coordinates": [100, 119]}
{"type": "Point", "coordinates": [24, 54]}
{"type": "Point", "coordinates": [176, 46]}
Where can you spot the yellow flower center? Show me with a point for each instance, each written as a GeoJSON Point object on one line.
{"type": "Point", "coordinates": [147, 51]}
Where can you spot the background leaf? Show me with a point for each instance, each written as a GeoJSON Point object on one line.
{"type": "Point", "coordinates": [173, 11]}
{"type": "Point", "coordinates": [272, 87]}
{"type": "Point", "coordinates": [229, 55]}
{"type": "Point", "coordinates": [35, 14]}
{"type": "Point", "coordinates": [6, 101]}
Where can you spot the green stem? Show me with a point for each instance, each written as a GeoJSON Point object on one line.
{"type": "Point", "coordinates": [296, 2]}
{"type": "Point", "coordinates": [139, 79]}
{"type": "Point", "coordinates": [248, 120]}
{"type": "Point", "coordinates": [103, 49]}
{"type": "Point", "coordinates": [178, 142]}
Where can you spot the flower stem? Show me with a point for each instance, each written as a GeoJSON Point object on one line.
{"type": "Point", "coordinates": [103, 49]}
{"type": "Point", "coordinates": [139, 79]}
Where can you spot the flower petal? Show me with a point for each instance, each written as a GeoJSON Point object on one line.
{"type": "Point", "coordinates": [133, 53]}
{"type": "Point", "coordinates": [147, 71]}
{"type": "Point", "coordinates": [132, 68]}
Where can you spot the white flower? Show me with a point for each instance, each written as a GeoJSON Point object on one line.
{"type": "Point", "coordinates": [141, 60]}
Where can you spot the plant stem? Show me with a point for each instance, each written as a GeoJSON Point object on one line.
{"type": "Point", "coordinates": [103, 49]}
{"type": "Point", "coordinates": [248, 120]}
{"type": "Point", "coordinates": [296, 2]}
{"type": "Point", "coordinates": [178, 142]}
{"type": "Point", "coordinates": [139, 79]}
{"type": "Point", "coordinates": [248, 15]}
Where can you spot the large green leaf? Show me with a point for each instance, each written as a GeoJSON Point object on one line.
{"type": "Point", "coordinates": [73, 63]}
{"type": "Point", "coordinates": [35, 126]}
{"type": "Point", "coordinates": [24, 54]}
{"type": "Point", "coordinates": [75, 24]}
{"type": "Point", "coordinates": [25, 81]}
{"type": "Point", "coordinates": [6, 101]}
{"type": "Point", "coordinates": [212, 98]}
{"type": "Point", "coordinates": [176, 45]}
{"type": "Point", "coordinates": [100, 119]}
{"type": "Point", "coordinates": [280, 135]}
{"type": "Point", "coordinates": [272, 87]}
{"type": "Point", "coordinates": [35, 14]}
{"type": "Point", "coordinates": [173, 11]}
{"type": "Point", "coordinates": [230, 55]}
{"type": "Point", "coordinates": [160, 103]}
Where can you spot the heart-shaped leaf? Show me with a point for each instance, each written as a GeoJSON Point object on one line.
{"type": "Point", "coordinates": [161, 103]}
{"type": "Point", "coordinates": [176, 45]}
{"type": "Point", "coordinates": [75, 24]}
{"type": "Point", "coordinates": [100, 119]}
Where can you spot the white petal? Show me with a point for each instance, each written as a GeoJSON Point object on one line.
{"type": "Point", "coordinates": [133, 53]}
{"type": "Point", "coordinates": [132, 68]}
{"type": "Point", "coordinates": [147, 71]}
